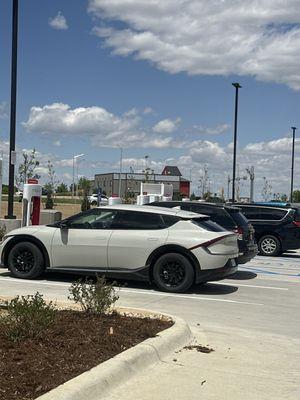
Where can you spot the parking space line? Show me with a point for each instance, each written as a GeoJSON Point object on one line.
{"type": "Point", "coordinates": [250, 286]}
{"type": "Point", "coordinates": [178, 296]}
{"type": "Point", "coordinates": [148, 293]}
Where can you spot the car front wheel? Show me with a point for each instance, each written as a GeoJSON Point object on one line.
{"type": "Point", "coordinates": [269, 246]}
{"type": "Point", "coordinates": [25, 260]}
{"type": "Point", "coordinates": [173, 272]}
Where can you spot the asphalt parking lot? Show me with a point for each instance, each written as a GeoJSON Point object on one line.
{"type": "Point", "coordinates": [256, 313]}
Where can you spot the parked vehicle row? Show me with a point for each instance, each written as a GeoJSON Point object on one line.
{"type": "Point", "coordinates": [170, 247]}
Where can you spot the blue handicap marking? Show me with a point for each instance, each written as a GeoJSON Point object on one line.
{"type": "Point", "coordinates": [263, 271]}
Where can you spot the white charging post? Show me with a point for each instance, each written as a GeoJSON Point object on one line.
{"type": "Point", "coordinates": [32, 194]}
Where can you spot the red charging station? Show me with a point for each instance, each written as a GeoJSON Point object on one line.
{"type": "Point", "coordinates": [32, 194]}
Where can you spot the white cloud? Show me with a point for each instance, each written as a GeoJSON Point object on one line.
{"type": "Point", "coordinates": [166, 126]}
{"type": "Point", "coordinates": [253, 38]}
{"type": "Point", "coordinates": [216, 130]}
{"type": "Point", "coordinates": [58, 22]}
{"type": "Point", "coordinates": [3, 110]}
{"type": "Point", "coordinates": [148, 110]}
{"type": "Point", "coordinates": [102, 127]}
{"type": "Point", "coordinates": [57, 143]}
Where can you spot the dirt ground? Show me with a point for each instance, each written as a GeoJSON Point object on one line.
{"type": "Point", "coordinates": [66, 209]}
{"type": "Point", "coordinates": [75, 343]}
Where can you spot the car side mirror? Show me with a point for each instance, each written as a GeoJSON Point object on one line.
{"type": "Point", "coordinates": [63, 225]}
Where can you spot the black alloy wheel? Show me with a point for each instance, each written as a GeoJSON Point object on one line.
{"type": "Point", "coordinates": [25, 260]}
{"type": "Point", "coordinates": [173, 272]}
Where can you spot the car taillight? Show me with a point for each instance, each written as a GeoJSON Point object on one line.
{"type": "Point", "coordinates": [297, 223]}
{"type": "Point", "coordinates": [239, 231]}
{"type": "Point", "coordinates": [210, 242]}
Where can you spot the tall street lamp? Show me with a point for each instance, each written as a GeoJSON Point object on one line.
{"type": "Point", "coordinates": [237, 87]}
{"type": "Point", "coordinates": [73, 180]}
{"type": "Point", "coordinates": [293, 154]}
{"type": "Point", "coordinates": [13, 102]}
{"type": "Point", "coordinates": [120, 173]}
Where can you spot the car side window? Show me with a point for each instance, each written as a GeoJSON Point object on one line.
{"type": "Point", "coordinates": [138, 220]}
{"type": "Point", "coordinates": [261, 213]}
{"type": "Point", "coordinates": [96, 219]}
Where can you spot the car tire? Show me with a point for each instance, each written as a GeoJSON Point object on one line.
{"type": "Point", "coordinates": [25, 260]}
{"type": "Point", "coordinates": [173, 272]}
{"type": "Point", "coordinates": [269, 246]}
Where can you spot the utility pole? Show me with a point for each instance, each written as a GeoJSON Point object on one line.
{"type": "Point", "coordinates": [120, 173]}
{"type": "Point", "coordinates": [250, 171]}
{"type": "Point", "coordinates": [237, 87]}
{"type": "Point", "coordinates": [293, 155]}
{"type": "Point", "coordinates": [13, 104]}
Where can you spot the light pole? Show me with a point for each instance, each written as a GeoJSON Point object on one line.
{"type": "Point", "coordinates": [293, 154]}
{"type": "Point", "coordinates": [120, 173]}
{"type": "Point", "coordinates": [73, 180]}
{"type": "Point", "coordinates": [237, 87]}
{"type": "Point", "coordinates": [13, 102]}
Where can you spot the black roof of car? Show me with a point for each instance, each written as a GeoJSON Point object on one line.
{"type": "Point", "coordinates": [199, 203]}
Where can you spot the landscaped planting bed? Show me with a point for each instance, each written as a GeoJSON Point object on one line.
{"type": "Point", "coordinates": [75, 342]}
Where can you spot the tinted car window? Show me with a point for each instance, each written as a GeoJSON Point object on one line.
{"type": "Point", "coordinates": [170, 220]}
{"type": "Point", "coordinates": [95, 219]}
{"type": "Point", "coordinates": [264, 213]}
{"type": "Point", "coordinates": [138, 220]}
{"type": "Point", "coordinates": [208, 225]}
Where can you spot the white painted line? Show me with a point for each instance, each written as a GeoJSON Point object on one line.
{"type": "Point", "coordinates": [34, 282]}
{"type": "Point", "coordinates": [149, 293]}
{"type": "Point", "coordinates": [250, 286]}
{"type": "Point", "coordinates": [178, 296]}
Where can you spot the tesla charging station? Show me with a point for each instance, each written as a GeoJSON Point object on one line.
{"type": "Point", "coordinates": [32, 194]}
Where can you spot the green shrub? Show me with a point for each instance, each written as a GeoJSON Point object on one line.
{"type": "Point", "coordinates": [27, 317]}
{"type": "Point", "coordinates": [93, 297]}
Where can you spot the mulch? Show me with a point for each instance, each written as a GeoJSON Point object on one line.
{"type": "Point", "coordinates": [75, 343]}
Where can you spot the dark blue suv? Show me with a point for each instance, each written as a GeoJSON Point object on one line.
{"type": "Point", "coordinates": [277, 227]}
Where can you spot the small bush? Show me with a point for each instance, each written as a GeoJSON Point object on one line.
{"type": "Point", "coordinates": [93, 297]}
{"type": "Point", "coordinates": [27, 317]}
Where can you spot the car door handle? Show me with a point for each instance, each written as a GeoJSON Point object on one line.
{"type": "Point", "coordinates": [153, 239]}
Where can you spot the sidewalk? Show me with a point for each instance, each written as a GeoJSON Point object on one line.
{"type": "Point", "coordinates": [242, 366]}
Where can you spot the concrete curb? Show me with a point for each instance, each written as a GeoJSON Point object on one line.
{"type": "Point", "coordinates": [100, 380]}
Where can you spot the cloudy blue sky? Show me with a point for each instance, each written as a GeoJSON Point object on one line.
{"type": "Point", "coordinates": [155, 77]}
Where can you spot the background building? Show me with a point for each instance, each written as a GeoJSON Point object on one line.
{"type": "Point", "coordinates": [131, 182]}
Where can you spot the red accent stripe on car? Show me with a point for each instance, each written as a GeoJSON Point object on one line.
{"type": "Point", "coordinates": [210, 242]}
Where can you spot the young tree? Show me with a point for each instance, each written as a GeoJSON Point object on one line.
{"type": "Point", "coordinates": [84, 186]}
{"type": "Point", "coordinates": [27, 169]}
{"type": "Point", "coordinates": [266, 190]}
{"type": "Point", "coordinates": [62, 188]}
{"type": "Point", "coordinates": [50, 186]}
{"type": "Point", "coordinates": [296, 196]}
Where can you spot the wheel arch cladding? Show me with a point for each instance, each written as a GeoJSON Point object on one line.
{"type": "Point", "coordinates": [173, 248]}
{"type": "Point", "coordinates": [25, 238]}
{"type": "Point", "coordinates": [269, 233]}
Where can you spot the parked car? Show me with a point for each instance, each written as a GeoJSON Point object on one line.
{"type": "Point", "coordinates": [173, 248]}
{"type": "Point", "coordinates": [229, 217]}
{"type": "Point", "coordinates": [277, 228]}
{"type": "Point", "coordinates": [93, 199]}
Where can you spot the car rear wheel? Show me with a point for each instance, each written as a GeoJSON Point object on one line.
{"type": "Point", "coordinates": [173, 272]}
{"type": "Point", "coordinates": [25, 260]}
{"type": "Point", "coordinates": [269, 245]}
